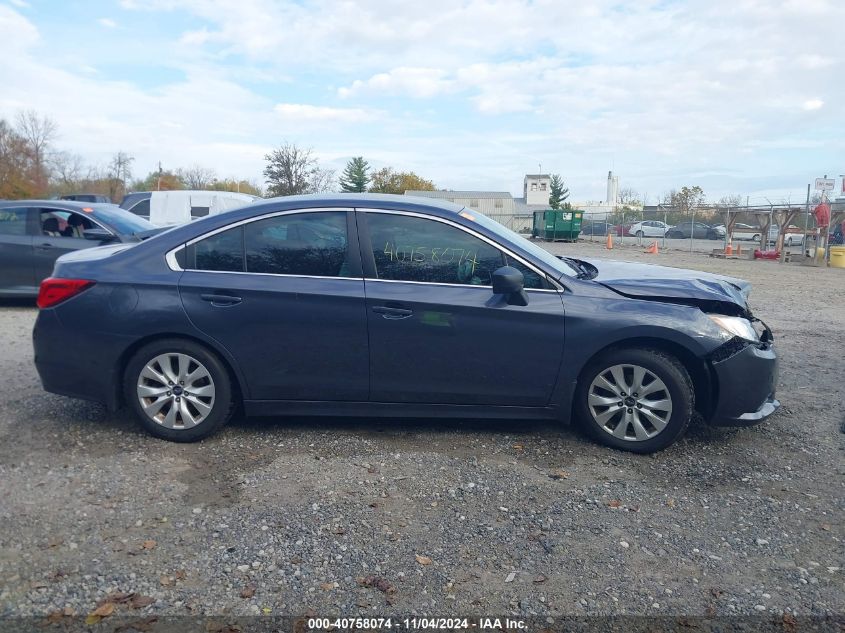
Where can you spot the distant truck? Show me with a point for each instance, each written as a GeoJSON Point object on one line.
{"type": "Point", "coordinates": [170, 208]}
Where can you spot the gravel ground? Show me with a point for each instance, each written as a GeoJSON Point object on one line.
{"type": "Point", "coordinates": [362, 517]}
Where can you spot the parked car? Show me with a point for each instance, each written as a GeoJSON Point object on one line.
{"type": "Point", "coordinates": [794, 236]}
{"type": "Point", "coordinates": [33, 233]}
{"type": "Point", "coordinates": [649, 228]}
{"type": "Point", "coordinates": [87, 197]}
{"type": "Point", "coordinates": [591, 227]}
{"type": "Point", "coordinates": [169, 208]}
{"type": "Point", "coordinates": [697, 230]}
{"type": "Point", "coordinates": [378, 305]}
{"type": "Point", "coordinates": [743, 231]}
{"type": "Point", "coordinates": [622, 230]}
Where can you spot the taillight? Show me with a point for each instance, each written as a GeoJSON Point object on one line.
{"type": "Point", "coordinates": [53, 291]}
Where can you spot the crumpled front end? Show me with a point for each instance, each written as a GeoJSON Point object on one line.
{"type": "Point", "coordinates": [745, 377]}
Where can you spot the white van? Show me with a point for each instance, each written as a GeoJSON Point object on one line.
{"type": "Point", "coordinates": [169, 208]}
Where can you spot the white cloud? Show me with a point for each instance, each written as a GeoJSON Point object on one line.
{"type": "Point", "coordinates": [16, 32]}
{"type": "Point", "coordinates": [107, 22]}
{"type": "Point", "coordinates": [662, 89]}
{"type": "Point", "coordinates": [414, 82]}
{"type": "Point", "coordinates": [21, 4]}
{"type": "Point", "coordinates": [310, 113]}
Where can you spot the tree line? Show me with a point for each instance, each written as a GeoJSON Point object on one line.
{"type": "Point", "coordinates": [32, 166]}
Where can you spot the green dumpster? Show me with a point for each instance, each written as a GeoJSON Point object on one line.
{"type": "Point", "coordinates": [557, 224]}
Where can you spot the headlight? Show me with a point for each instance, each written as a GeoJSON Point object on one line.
{"type": "Point", "coordinates": [736, 326]}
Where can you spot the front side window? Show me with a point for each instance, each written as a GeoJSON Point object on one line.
{"type": "Point", "coordinates": [407, 248]}
{"type": "Point", "coordinates": [308, 244]}
{"type": "Point", "coordinates": [56, 223]}
{"type": "Point", "coordinates": [13, 221]}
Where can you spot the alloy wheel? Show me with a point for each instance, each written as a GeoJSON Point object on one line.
{"type": "Point", "coordinates": [176, 391]}
{"type": "Point", "coordinates": [629, 402]}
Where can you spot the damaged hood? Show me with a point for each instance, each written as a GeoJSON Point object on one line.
{"type": "Point", "coordinates": [649, 281]}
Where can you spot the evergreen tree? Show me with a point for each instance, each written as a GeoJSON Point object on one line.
{"type": "Point", "coordinates": [558, 193]}
{"type": "Point", "coordinates": [355, 177]}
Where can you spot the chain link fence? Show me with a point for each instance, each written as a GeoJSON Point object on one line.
{"type": "Point", "coordinates": [702, 231]}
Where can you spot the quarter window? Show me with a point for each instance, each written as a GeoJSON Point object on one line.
{"type": "Point", "coordinates": [407, 248]}
{"type": "Point", "coordinates": [142, 208]}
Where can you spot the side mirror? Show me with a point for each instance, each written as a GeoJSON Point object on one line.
{"type": "Point", "coordinates": [508, 281]}
{"type": "Point", "coordinates": [98, 235]}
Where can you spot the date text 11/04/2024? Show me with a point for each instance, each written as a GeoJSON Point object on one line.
{"type": "Point", "coordinates": [415, 624]}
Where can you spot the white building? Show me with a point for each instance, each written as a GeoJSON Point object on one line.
{"type": "Point", "coordinates": [536, 189]}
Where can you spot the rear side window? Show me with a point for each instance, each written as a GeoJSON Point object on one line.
{"type": "Point", "coordinates": [13, 221]}
{"type": "Point", "coordinates": [313, 244]}
{"type": "Point", "coordinates": [221, 251]}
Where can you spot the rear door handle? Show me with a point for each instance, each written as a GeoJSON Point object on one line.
{"type": "Point", "coordinates": [220, 300]}
{"type": "Point", "coordinates": [393, 313]}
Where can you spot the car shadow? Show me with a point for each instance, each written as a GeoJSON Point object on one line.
{"type": "Point", "coordinates": [28, 302]}
{"type": "Point", "coordinates": [398, 426]}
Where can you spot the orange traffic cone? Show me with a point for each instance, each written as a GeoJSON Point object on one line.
{"type": "Point", "coordinates": [609, 244]}
{"type": "Point", "coordinates": [729, 249]}
{"type": "Point", "coordinates": [652, 250]}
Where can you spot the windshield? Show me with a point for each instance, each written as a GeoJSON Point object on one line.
{"type": "Point", "coordinates": [120, 220]}
{"type": "Point", "coordinates": [539, 253]}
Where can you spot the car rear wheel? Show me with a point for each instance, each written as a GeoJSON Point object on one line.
{"type": "Point", "coordinates": [638, 400]}
{"type": "Point", "coordinates": [178, 390]}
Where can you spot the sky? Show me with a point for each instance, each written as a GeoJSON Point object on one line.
{"type": "Point", "coordinates": [742, 97]}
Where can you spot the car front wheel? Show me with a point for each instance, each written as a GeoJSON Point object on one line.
{"type": "Point", "coordinates": [638, 400]}
{"type": "Point", "coordinates": [179, 390]}
{"type": "Point", "coordinates": [640, 234]}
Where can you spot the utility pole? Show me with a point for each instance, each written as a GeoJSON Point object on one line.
{"type": "Point", "coordinates": [158, 186]}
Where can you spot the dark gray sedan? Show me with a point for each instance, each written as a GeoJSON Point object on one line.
{"type": "Point", "coordinates": [34, 233]}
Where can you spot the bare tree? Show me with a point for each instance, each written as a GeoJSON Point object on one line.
{"type": "Point", "coordinates": [120, 170]}
{"type": "Point", "coordinates": [67, 171]}
{"type": "Point", "coordinates": [292, 170]}
{"type": "Point", "coordinates": [629, 197]}
{"type": "Point", "coordinates": [197, 177]}
{"type": "Point", "coordinates": [323, 180]}
{"type": "Point", "coordinates": [38, 132]}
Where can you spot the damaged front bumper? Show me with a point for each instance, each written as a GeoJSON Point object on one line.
{"type": "Point", "coordinates": [745, 377]}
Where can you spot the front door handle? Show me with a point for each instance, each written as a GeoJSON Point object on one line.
{"type": "Point", "coordinates": [393, 313]}
{"type": "Point", "coordinates": [221, 300]}
{"type": "Point", "coordinates": [45, 246]}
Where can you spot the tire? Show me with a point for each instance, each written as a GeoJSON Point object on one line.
{"type": "Point", "coordinates": [148, 381]}
{"type": "Point", "coordinates": [756, 238]}
{"type": "Point", "coordinates": [640, 235]}
{"type": "Point", "coordinates": [711, 235]}
{"type": "Point", "coordinates": [673, 234]}
{"type": "Point", "coordinates": [660, 425]}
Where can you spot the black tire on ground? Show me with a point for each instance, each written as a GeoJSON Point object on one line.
{"type": "Point", "coordinates": [224, 400]}
{"type": "Point", "coordinates": [667, 368]}
{"type": "Point", "coordinates": [640, 234]}
{"type": "Point", "coordinates": [674, 234]}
